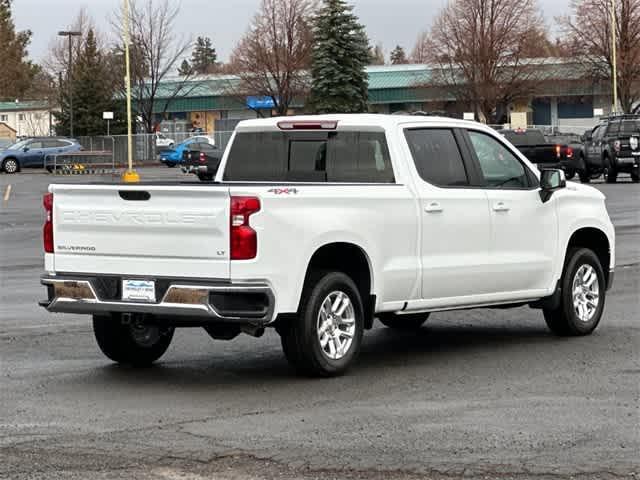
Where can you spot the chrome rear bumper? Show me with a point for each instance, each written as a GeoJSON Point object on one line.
{"type": "Point", "coordinates": [245, 302]}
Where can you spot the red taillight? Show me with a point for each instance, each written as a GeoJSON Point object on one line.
{"type": "Point", "coordinates": [244, 239]}
{"type": "Point", "coordinates": [569, 152]}
{"type": "Point", "coordinates": [47, 230]}
{"type": "Point", "coordinates": [203, 157]}
{"type": "Point", "coordinates": [617, 145]}
{"type": "Point", "coordinates": [558, 149]}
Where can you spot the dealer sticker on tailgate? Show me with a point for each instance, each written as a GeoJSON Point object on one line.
{"type": "Point", "coordinates": [139, 290]}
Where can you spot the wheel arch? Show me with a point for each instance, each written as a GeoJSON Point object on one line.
{"type": "Point", "coordinates": [352, 260]}
{"type": "Point", "coordinates": [596, 240]}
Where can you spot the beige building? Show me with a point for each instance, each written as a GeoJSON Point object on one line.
{"type": "Point", "coordinates": [6, 132]}
{"type": "Point", "coordinates": [27, 118]}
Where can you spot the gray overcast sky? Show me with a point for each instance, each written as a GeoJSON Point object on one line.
{"type": "Point", "coordinates": [388, 21]}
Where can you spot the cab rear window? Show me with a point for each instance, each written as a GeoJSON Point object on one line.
{"type": "Point", "coordinates": [628, 127]}
{"type": "Point", "coordinates": [353, 157]}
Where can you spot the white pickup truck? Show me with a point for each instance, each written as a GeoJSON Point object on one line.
{"type": "Point", "coordinates": [316, 225]}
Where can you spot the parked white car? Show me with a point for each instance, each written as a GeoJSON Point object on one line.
{"type": "Point", "coordinates": [163, 141]}
{"type": "Point", "coordinates": [316, 225]}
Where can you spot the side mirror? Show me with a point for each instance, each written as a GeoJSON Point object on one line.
{"type": "Point", "coordinates": [587, 136]}
{"type": "Point", "coordinates": [25, 149]}
{"type": "Point", "coordinates": [551, 179]}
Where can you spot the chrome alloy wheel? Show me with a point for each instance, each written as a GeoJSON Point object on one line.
{"type": "Point", "coordinates": [336, 325]}
{"type": "Point", "coordinates": [11, 166]}
{"type": "Point", "coordinates": [586, 292]}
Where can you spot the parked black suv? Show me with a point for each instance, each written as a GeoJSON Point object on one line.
{"type": "Point", "coordinates": [613, 147]}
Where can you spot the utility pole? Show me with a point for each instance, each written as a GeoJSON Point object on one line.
{"type": "Point", "coordinates": [69, 34]}
{"type": "Point", "coordinates": [614, 55]}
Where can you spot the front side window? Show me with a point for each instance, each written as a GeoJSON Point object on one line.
{"type": "Point", "coordinates": [500, 168]}
{"type": "Point", "coordinates": [437, 156]}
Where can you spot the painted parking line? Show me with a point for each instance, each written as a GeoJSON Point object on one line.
{"type": "Point", "coordinates": [7, 194]}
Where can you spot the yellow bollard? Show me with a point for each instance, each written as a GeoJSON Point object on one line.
{"type": "Point", "coordinates": [130, 176]}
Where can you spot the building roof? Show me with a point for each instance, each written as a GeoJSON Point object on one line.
{"type": "Point", "coordinates": [9, 127]}
{"type": "Point", "coordinates": [24, 105]}
{"type": "Point", "coordinates": [387, 84]}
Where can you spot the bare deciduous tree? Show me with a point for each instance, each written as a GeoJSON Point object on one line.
{"type": "Point", "coordinates": [272, 57]}
{"type": "Point", "coordinates": [420, 52]}
{"type": "Point", "coordinates": [478, 49]}
{"type": "Point", "coordinates": [155, 53]}
{"type": "Point", "coordinates": [589, 34]}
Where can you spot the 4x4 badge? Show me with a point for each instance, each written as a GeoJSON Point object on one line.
{"type": "Point", "coordinates": [283, 191]}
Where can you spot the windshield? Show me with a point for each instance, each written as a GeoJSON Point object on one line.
{"type": "Point", "coordinates": [18, 146]}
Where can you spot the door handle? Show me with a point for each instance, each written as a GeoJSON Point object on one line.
{"type": "Point", "coordinates": [500, 207]}
{"type": "Point", "coordinates": [433, 207]}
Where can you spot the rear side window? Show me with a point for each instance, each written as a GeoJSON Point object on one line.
{"type": "Point", "coordinates": [437, 156]}
{"type": "Point", "coordinates": [351, 157]}
{"type": "Point", "coordinates": [359, 157]}
{"type": "Point", "coordinates": [613, 128]}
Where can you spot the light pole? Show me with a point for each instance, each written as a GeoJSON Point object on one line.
{"type": "Point", "coordinates": [69, 34]}
{"type": "Point", "coordinates": [614, 55]}
{"type": "Point", "coordinates": [130, 176]}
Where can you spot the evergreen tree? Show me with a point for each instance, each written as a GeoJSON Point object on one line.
{"type": "Point", "coordinates": [398, 56]}
{"type": "Point", "coordinates": [92, 94]}
{"type": "Point", "coordinates": [185, 69]}
{"type": "Point", "coordinates": [340, 54]}
{"type": "Point", "coordinates": [204, 57]}
{"type": "Point", "coordinates": [17, 72]}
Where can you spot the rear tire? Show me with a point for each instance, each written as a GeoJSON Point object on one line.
{"type": "Point", "coordinates": [582, 297]}
{"type": "Point", "coordinates": [133, 344]}
{"type": "Point", "coordinates": [635, 178]}
{"type": "Point", "coordinates": [410, 321]}
{"type": "Point", "coordinates": [325, 338]}
{"type": "Point", "coordinates": [585, 176]}
{"type": "Point", "coordinates": [205, 177]}
{"type": "Point", "coordinates": [610, 173]}
{"type": "Point", "coordinates": [569, 174]}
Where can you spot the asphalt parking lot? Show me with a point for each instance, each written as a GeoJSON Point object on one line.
{"type": "Point", "coordinates": [475, 394]}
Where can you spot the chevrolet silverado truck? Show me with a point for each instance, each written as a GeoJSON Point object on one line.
{"type": "Point", "coordinates": [316, 225]}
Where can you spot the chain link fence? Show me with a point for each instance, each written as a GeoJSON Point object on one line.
{"type": "Point", "coordinates": [146, 147]}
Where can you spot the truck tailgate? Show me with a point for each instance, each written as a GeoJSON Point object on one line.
{"type": "Point", "coordinates": [151, 231]}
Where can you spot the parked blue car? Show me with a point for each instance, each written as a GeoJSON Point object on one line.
{"type": "Point", "coordinates": [33, 152]}
{"type": "Point", "coordinates": [173, 156]}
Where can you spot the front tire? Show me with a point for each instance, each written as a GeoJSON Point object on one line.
{"type": "Point", "coordinates": [133, 343]}
{"type": "Point", "coordinates": [11, 165]}
{"type": "Point", "coordinates": [410, 321]}
{"type": "Point", "coordinates": [325, 338]}
{"type": "Point", "coordinates": [583, 290]}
